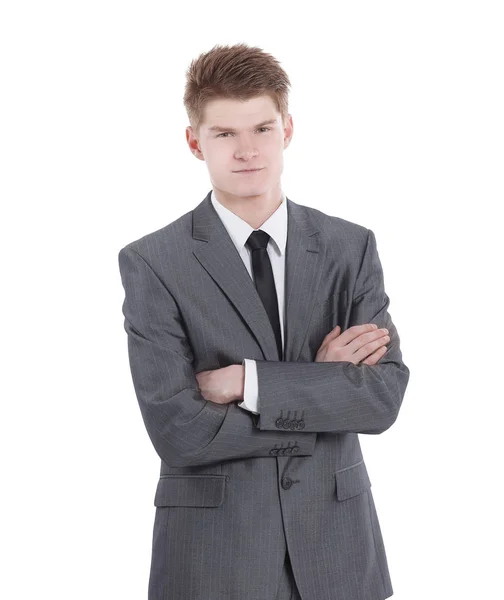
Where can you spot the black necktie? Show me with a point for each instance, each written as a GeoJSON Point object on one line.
{"type": "Point", "coordinates": [264, 281]}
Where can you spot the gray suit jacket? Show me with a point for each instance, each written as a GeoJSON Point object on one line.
{"type": "Point", "coordinates": [237, 490]}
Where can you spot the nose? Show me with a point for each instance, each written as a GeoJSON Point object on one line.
{"type": "Point", "coordinates": [245, 151]}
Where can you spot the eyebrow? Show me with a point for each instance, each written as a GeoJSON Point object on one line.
{"type": "Point", "coordinates": [218, 128]}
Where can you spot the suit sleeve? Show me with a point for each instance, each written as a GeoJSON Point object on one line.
{"type": "Point", "coordinates": [185, 429]}
{"type": "Point", "coordinates": [341, 397]}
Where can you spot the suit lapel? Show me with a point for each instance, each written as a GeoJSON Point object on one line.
{"type": "Point", "coordinates": [303, 269]}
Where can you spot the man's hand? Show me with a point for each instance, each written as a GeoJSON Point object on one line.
{"type": "Point", "coordinates": [222, 386]}
{"type": "Point", "coordinates": [355, 344]}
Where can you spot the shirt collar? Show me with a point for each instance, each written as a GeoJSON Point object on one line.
{"type": "Point", "coordinates": [239, 230]}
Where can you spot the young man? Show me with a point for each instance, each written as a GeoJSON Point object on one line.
{"type": "Point", "coordinates": [260, 346]}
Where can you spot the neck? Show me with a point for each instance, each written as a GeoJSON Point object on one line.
{"type": "Point", "coordinates": [254, 210]}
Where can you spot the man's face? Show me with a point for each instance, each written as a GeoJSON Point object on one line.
{"type": "Point", "coordinates": [236, 135]}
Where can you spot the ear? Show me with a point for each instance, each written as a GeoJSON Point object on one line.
{"type": "Point", "coordinates": [193, 143]}
{"type": "Point", "coordinates": [288, 131]}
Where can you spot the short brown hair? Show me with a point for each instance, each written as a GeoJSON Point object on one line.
{"type": "Point", "coordinates": [237, 72]}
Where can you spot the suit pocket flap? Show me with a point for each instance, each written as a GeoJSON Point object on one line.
{"type": "Point", "coordinates": [190, 490]}
{"type": "Point", "coordinates": [352, 481]}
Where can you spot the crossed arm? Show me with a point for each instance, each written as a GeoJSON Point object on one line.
{"type": "Point", "coordinates": [187, 430]}
{"type": "Point", "coordinates": [337, 395]}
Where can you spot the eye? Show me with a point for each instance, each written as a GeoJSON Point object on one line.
{"type": "Point", "coordinates": [228, 132]}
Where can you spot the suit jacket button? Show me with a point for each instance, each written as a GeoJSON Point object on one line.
{"type": "Point", "coordinates": [301, 425]}
{"type": "Point", "coordinates": [286, 483]}
{"type": "Point", "coordinates": [295, 449]}
{"type": "Point", "coordinates": [286, 424]}
{"type": "Point", "coordinates": [279, 423]}
{"type": "Point", "coordinates": [274, 451]}
{"type": "Point", "coordinates": [281, 451]}
{"type": "Point", "coordinates": [288, 450]}
{"type": "Point", "coordinates": [294, 424]}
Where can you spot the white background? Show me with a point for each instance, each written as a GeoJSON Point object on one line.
{"type": "Point", "coordinates": [398, 126]}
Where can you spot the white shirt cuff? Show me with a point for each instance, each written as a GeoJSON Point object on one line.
{"type": "Point", "coordinates": [251, 387]}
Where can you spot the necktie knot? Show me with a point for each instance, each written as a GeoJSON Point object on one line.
{"type": "Point", "coordinates": [258, 239]}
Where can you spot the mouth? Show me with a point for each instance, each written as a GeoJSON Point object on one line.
{"type": "Point", "coordinates": [249, 170]}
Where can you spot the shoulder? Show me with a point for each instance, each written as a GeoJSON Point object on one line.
{"type": "Point", "coordinates": [337, 232]}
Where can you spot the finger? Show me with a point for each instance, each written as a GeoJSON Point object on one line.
{"type": "Point", "coordinates": [371, 347]}
{"type": "Point", "coordinates": [375, 357]}
{"type": "Point", "coordinates": [330, 336]}
{"type": "Point", "coordinates": [354, 332]}
{"type": "Point", "coordinates": [367, 338]}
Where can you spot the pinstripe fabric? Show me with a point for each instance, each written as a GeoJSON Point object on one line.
{"type": "Point", "coordinates": [287, 589]}
{"type": "Point", "coordinates": [236, 490]}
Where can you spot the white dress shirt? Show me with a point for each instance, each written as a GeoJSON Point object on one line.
{"type": "Point", "coordinates": [239, 231]}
